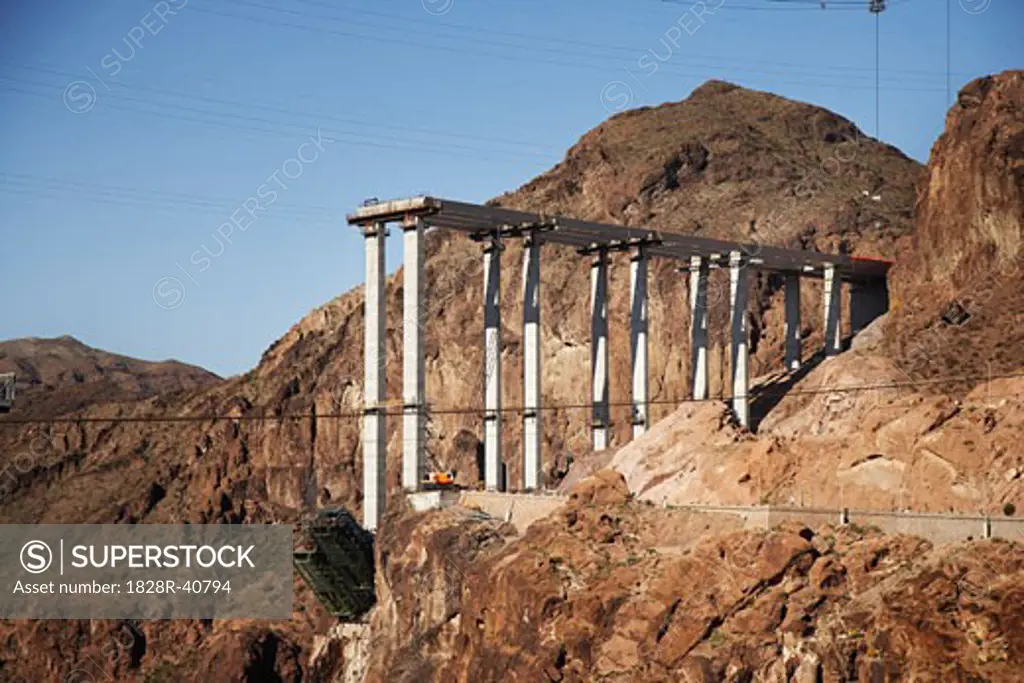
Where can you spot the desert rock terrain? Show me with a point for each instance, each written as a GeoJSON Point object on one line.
{"type": "Point", "coordinates": [613, 587]}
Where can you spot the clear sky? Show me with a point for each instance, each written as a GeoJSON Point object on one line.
{"type": "Point", "coordinates": [132, 131]}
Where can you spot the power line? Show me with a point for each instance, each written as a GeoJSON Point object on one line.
{"type": "Point", "coordinates": [277, 132]}
{"type": "Point", "coordinates": [433, 26]}
{"type": "Point", "coordinates": [878, 69]}
{"type": "Point", "coordinates": [45, 184]}
{"type": "Point", "coordinates": [375, 38]}
{"type": "Point", "coordinates": [341, 132]}
{"type": "Point", "coordinates": [127, 202]}
{"type": "Point", "coordinates": [434, 22]}
{"type": "Point", "coordinates": [480, 411]}
{"type": "Point", "coordinates": [949, 30]}
{"type": "Point", "coordinates": [248, 104]}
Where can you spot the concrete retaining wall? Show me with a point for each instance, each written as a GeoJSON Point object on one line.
{"type": "Point", "coordinates": [522, 509]}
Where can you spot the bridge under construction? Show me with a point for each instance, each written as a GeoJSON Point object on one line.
{"type": "Point", "coordinates": [492, 226]}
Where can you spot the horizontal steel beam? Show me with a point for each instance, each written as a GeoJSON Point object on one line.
{"type": "Point", "coordinates": [478, 220]}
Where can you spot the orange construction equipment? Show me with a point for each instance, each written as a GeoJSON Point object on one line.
{"type": "Point", "coordinates": [439, 479]}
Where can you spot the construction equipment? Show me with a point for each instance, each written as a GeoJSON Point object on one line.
{"type": "Point", "coordinates": [337, 563]}
{"type": "Point", "coordinates": [6, 392]}
{"type": "Point", "coordinates": [436, 481]}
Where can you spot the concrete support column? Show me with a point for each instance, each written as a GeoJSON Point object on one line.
{"type": "Point", "coordinates": [867, 302]}
{"type": "Point", "coordinates": [374, 355]}
{"type": "Point", "coordinates": [833, 299]}
{"type": "Point", "coordinates": [492, 365]}
{"type": "Point", "coordinates": [739, 292]}
{"type": "Point", "coordinates": [600, 414]}
{"type": "Point", "coordinates": [638, 339]}
{"type": "Point", "coordinates": [532, 461]}
{"type": "Point", "coordinates": [792, 321]}
{"type": "Point", "coordinates": [414, 432]}
{"type": "Point", "coordinates": [698, 328]}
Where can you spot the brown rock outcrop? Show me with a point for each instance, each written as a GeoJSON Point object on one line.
{"type": "Point", "coordinates": [958, 292]}
{"type": "Point", "coordinates": [609, 586]}
{"type": "Point", "coordinates": [651, 604]}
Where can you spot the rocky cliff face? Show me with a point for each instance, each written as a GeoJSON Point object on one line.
{"type": "Point", "coordinates": [726, 162]}
{"type": "Point", "coordinates": [958, 292]}
{"type": "Point", "coordinates": [971, 210]}
{"type": "Point", "coordinates": [614, 590]}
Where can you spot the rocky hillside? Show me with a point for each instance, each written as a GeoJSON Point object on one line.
{"type": "Point", "coordinates": [617, 591]}
{"type": "Point", "coordinates": [726, 162]}
{"type": "Point", "coordinates": [63, 375]}
{"type": "Point", "coordinates": [958, 292]}
{"type": "Point", "coordinates": [740, 164]}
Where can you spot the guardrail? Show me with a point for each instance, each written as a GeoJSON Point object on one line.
{"type": "Point", "coordinates": [936, 527]}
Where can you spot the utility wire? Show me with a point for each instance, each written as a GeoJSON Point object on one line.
{"type": "Point", "coordinates": [490, 42]}
{"type": "Point", "coordinates": [434, 22]}
{"type": "Point", "coordinates": [949, 30]}
{"type": "Point", "coordinates": [350, 136]}
{"type": "Point", "coordinates": [135, 197]}
{"type": "Point", "coordinates": [375, 38]}
{"type": "Point", "coordinates": [357, 414]}
{"type": "Point", "coordinates": [50, 194]}
{"type": "Point", "coordinates": [298, 130]}
{"type": "Point", "coordinates": [319, 116]}
{"type": "Point", "coordinates": [878, 70]}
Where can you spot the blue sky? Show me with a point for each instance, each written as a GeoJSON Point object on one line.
{"type": "Point", "coordinates": [133, 131]}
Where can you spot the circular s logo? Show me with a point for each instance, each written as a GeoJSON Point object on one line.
{"type": "Point", "coordinates": [975, 6]}
{"type": "Point", "coordinates": [616, 96]}
{"type": "Point", "coordinates": [79, 97]}
{"type": "Point", "coordinates": [36, 557]}
{"type": "Point", "coordinates": [169, 293]}
{"type": "Point", "coordinates": [437, 7]}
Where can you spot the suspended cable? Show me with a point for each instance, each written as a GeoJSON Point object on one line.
{"type": "Point", "coordinates": [375, 38]}
{"type": "Point", "coordinates": [878, 71]}
{"type": "Point", "coordinates": [949, 99]}
{"type": "Point", "coordinates": [279, 133]}
{"type": "Point", "coordinates": [479, 411]}
{"type": "Point", "coordinates": [248, 104]}
{"type": "Point", "coordinates": [157, 199]}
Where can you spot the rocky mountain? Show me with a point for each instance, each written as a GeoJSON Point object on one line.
{"type": "Point", "coordinates": [726, 162]}
{"type": "Point", "coordinates": [63, 375]}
